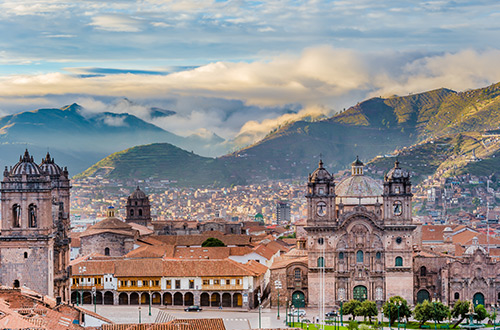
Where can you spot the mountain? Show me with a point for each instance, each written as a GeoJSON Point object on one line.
{"type": "Point", "coordinates": [80, 139]}
{"type": "Point", "coordinates": [377, 126]}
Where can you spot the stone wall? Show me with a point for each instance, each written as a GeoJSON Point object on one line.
{"type": "Point", "coordinates": [118, 245]}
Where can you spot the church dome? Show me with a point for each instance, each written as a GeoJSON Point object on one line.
{"type": "Point", "coordinates": [26, 165]}
{"type": "Point", "coordinates": [48, 166]}
{"type": "Point", "coordinates": [138, 194]}
{"type": "Point", "coordinates": [358, 186]}
{"type": "Point", "coordinates": [397, 173]}
{"type": "Point", "coordinates": [474, 247]}
{"type": "Point", "coordinates": [320, 174]}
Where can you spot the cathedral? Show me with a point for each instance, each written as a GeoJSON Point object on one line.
{"type": "Point", "coordinates": [34, 237]}
{"type": "Point", "coordinates": [361, 243]}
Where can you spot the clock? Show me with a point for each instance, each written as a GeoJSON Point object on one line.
{"type": "Point", "coordinates": [397, 208]}
{"type": "Point", "coordinates": [321, 208]}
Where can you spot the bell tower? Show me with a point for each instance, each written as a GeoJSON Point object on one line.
{"type": "Point", "coordinates": [138, 208]}
{"type": "Point", "coordinates": [397, 196]}
{"type": "Point", "coordinates": [320, 198]}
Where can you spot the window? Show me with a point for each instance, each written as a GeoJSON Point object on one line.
{"type": "Point", "coordinates": [191, 284]}
{"type": "Point", "coordinates": [359, 256]}
{"type": "Point", "coordinates": [98, 281]}
{"type": "Point", "coordinates": [25, 255]}
{"type": "Point", "coordinates": [216, 282]}
{"type": "Point", "coordinates": [378, 255]}
{"type": "Point", "coordinates": [133, 283]}
{"type": "Point", "coordinates": [298, 274]}
{"type": "Point", "coordinates": [32, 216]}
{"type": "Point", "coordinates": [106, 251]}
{"type": "Point", "coordinates": [16, 216]}
{"type": "Point", "coordinates": [205, 282]}
{"type": "Point", "coordinates": [157, 283]}
{"type": "Point", "coordinates": [321, 241]}
{"type": "Point", "coordinates": [145, 283]}
{"type": "Point", "coordinates": [457, 295]}
{"type": "Point", "coordinates": [238, 281]}
{"type": "Point", "coordinates": [341, 255]}
{"type": "Point", "coordinates": [321, 262]}
{"type": "Point", "coordinates": [223, 282]}
{"type": "Point", "coordinates": [399, 262]}
{"type": "Point", "coordinates": [423, 272]}
{"type": "Point", "coordinates": [140, 212]}
{"type": "Point", "coordinates": [132, 212]}
{"type": "Point", "coordinates": [177, 284]}
{"type": "Point", "coordinates": [169, 284]}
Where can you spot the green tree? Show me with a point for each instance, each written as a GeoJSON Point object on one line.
{"type": "Point", "coordinates": [440, 311]}
{"type": "Point", "coordinates": [476, 201]}
{"type": "Point", "coordinates": [367, 309]}
{"type": "Point", "coordinates": [211, 241]}
{"type": "Point", "coordinates": [459, 311]}
{"type": "Point", "coordinates": [481, 313]}
{"type": "Point", "coordinates": [350, 307]}
{"type": "Point", "coordinates": [423, 312]}
{"type": "Point", "coordinates": [390, 309]}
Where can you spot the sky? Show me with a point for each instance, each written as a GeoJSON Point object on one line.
{"type": "Point", "coordinates": [239, 68]}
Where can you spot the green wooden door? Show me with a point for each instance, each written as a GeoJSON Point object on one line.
{"type": "Point", "coordinates": [422, 295]}
{"type": "Point", "coordinates": [298, 299]}
{"type": "Point", "coordinates": [478, 299]}
{"type": "Point", "coordinates": [360, 293]}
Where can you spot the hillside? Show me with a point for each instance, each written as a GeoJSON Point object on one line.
{"type": "Point", "coordinates": [377, 126]}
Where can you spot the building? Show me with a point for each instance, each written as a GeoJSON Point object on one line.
{"type": "Point", "coordinates": [34, 240]}
{"type": "Point", "coordinates": [282, 212]}
{"type": "Point", "coordinates": [138, 208]}
{"type": "Point", "coordinates": [171, 227]}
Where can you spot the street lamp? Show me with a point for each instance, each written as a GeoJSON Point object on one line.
{"type": "Point", "coordinates": [286, 308]}
{"type": "Point", "coordinates": [258, 298]}
{"type": "Point", "coordinates": [398, 305]}
{"type": "Point", "coordinates": [341, 314]}
{"type": "Point", "coordinates": [139, 314]}
{"type": "Point", "coordinates": [150, 298]}
{"type": "Point", "coordinates": [278, 304]}
{"type": "Point", "coordinates": [495, 306]}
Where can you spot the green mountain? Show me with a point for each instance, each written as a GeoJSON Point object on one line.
{"type": "Point", "coordinates": [377, 126]}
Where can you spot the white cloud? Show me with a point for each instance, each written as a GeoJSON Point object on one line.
{"type": "Point", "coordinates": [116, 23]}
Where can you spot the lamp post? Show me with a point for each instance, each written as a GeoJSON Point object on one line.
{"type": "Point", "coordinates": [258, 298]}
{"type": "Point", "coordinates": [94, 293]}
{"type": "Point", "coordinates": [277, 285]}
{"type": "Point", "coordinates": [398, 304]}
{"type": "Point", "coordinates": [341, 314]}
{"type": "Point", "coordinates": [139, 314]}
{"type": "Point", "coordinates": [286, 311]}
{"type": "Point", "coordinates": [495, 319]}
{"type": "Point", "coordinates": [150, 298]}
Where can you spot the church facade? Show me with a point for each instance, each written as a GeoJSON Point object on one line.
{"type": "Point", "coordinates": [34, 240]}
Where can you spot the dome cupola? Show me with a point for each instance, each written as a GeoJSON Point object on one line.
{"type": "Point", "coordinates": [26, 165]}
{"type": "Point", "coordinates": [49, 167]}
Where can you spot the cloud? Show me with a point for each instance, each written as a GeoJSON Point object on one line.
{"type": "Point", "coordinates": [114, 121]}
{"type": "Point", "coordinates": [116, 23]}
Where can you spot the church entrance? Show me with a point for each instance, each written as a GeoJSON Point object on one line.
{"type": "Point", "coordinates": [360, 293]}
{"type": "Point", "coordinates": [478, 299]}
{"type": "Point", "coordinates": [298, 299]}
{"type": "Point", "coordinates": [422, 295]}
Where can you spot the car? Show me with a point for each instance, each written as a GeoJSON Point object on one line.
{"type": "Point", "coordinates": [300, 313]}
{"type": "Point", "coordinates": [193, 308]}
{"type": "Point", "coordinates": [331, 314]}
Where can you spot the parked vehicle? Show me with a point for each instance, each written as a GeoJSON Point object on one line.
{"type": "Point", "coordinates": [331, 314]}
{"type": "Point", "coordinates": [193, 308]}
{"type": "Point", "coordinates": [299, 312]}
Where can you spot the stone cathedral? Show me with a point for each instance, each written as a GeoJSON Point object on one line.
{"type": "Point", "coordinates": [360, 236]}
{"type": "Point", "coordinates": [34, 238]}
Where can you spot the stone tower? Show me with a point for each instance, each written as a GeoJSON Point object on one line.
{"type": "Point", "coordinates": [321, 222]}
{"type": "Point", "coordinates": [138, 208]}
{"type": "Point", "coordinates": [34, 240]}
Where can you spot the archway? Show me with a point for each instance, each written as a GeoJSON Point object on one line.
{"type": "Point", "coordinates": [134, 298]}
{"type": "Point", "coordinates": [423, 295]}
{"type": "Point", "coordinates": [87, 297]}
{"type": "Point", "coordinates": [226, 300]}
{"type": "Point", "coordinates": [98, 298]}
{"type": "Point", "coordinates": [237, 300]}
{"type": "Point", "coordinates": [145, 298]}
{"type": "Point", "coordinates": [360, 293]}
{"type": "Point", "coordinates": [156, 299]}
{"type": "Point", "coordinates": [215, 300]}
{"type": "Point", "coordinates": [16, 282]}
{"type": "Point", "coordinates": [109, 298]}
{"type": "Point", "coordinates": [178, 299]}
{"type": "Point", "coordinates": [75, 297]}
{"type": "Point", "coordinates": [478, 299]}
{"type": "Point", "coordinates": [123, 299]}
{"type": "Point", "coordinates": [188, 299]}
{"type": "Point", "coordinates": [204, 299]}
{"type": "Point", "coordinates": [167, 298]}
{"type": "Point", "coordinates": [299, 299]}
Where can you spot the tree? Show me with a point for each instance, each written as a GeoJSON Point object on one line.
{"type": "Point", "coordinates": [349, 308]}
{"type": "Point", "coordinates": [481, 313]}
{"type": "Point", "coordinates": [211, 241]}
{"type": "Point", "coordinates": [423, 312]}
{"type": "Point", "coordinates": [440, 311]}
{"type": "Point", "coordinates": [367, 309]}
{"type": "Point", "coordinates": [390, 309]}
{"type": "Point", "coordinates": [459, 311]}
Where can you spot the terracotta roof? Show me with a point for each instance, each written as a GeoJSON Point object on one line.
{"type": "Point", "coordinates": [465, 238]}
{"type": "Point", "coordinates": [219, 252]}
{"type": "Point", "coordinates": [197, 240]}
{"type": "Point", "coordinates": [152, 251]}
{"type": "Point", "coordinates": [143, 230]}
{"type": "Point", "coordinates": [179, 324]}
{"type": "Point", "coordinates": [110, 225]}
{"type": "Point", "coordinates": [284, 262]}
{"type": "Point", "coordinates": [264, 251]}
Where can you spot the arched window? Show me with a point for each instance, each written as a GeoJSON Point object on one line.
{"type": "Point", "coordinates": [399, 262]}
{"type": "Point", "coordinates": [359, 256]}
{"type": "Point", "coordinates": [106, 251]}
{"type": "Point", "coordinates": [423, 271]}
{"type": "Point", "coordinates": [321, 262]}
{"type": "Point", "coordinates": [132, 212]}
{"type": "Point", "coordinates": [32, 221]}
{"type": "Point", "coordinates": [298, 274]}
{"type": "Point", "coordinates": [140, 212]}
{"type": "Point", "coordinates": [25, 255]}
{"type": "Point", "coordinates": [16, 216]}
{"type": "Point", "coordinates": [457, 296]}
{"type": "Point", "coordinates": [378, 255]}
{"type": "Point", "coordinates": [341, 255]}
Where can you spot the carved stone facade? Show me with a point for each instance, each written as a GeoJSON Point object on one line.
{"type": "Point", "coordinates": [195, 227]}
{"type": "Point", "coordinates": [34, 240]}
{"type": "Point", "coordinates": [138, 208]}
